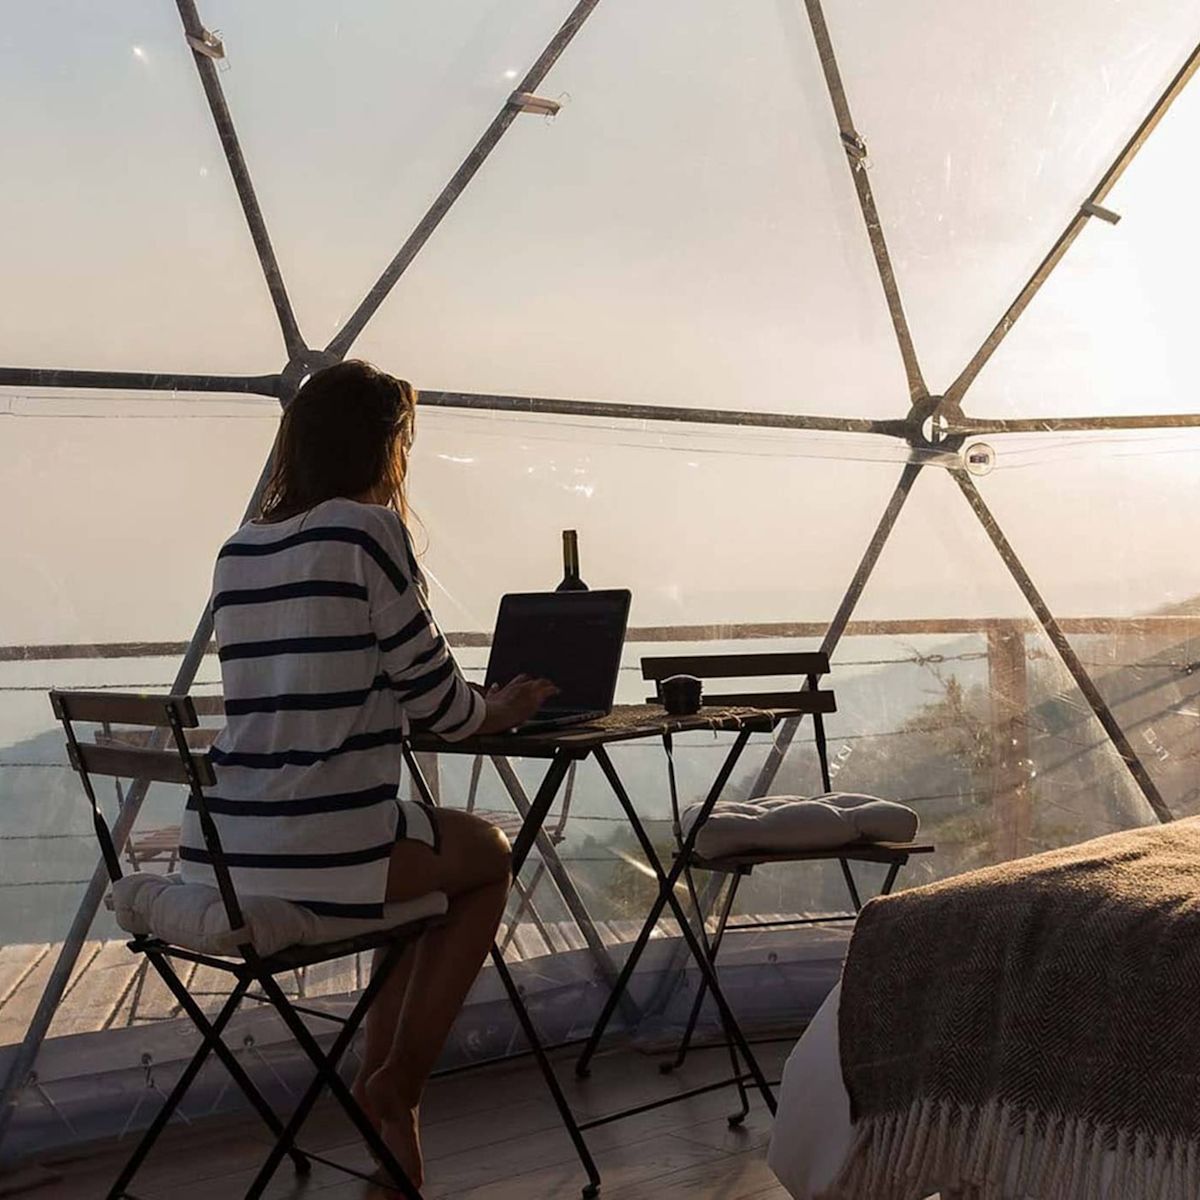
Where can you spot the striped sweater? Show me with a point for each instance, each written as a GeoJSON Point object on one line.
{"type": "Point", "coordinates": [328, 653]}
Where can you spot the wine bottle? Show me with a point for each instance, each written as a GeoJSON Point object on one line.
{"type": "Point", "coordinates": [570, 580]}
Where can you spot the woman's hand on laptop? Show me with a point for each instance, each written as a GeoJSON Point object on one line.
{"type": "Point", "coordinates": [510, 706]}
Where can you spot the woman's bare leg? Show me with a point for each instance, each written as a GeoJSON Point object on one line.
{"type": "Point", "coordinates": [380, 1025]}
{"type": "Point", "coordinates": [412, 1016]}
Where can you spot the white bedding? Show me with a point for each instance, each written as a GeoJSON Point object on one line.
{"type": "Point", "coordinates": [812, 1128]}
{"type": "Point", "coordinates": [812, 1131]}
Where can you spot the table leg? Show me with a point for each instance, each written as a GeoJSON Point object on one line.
{"type": "Point", "coordinates": [547, 1069]}
{"type": "Point", "coordinates": [639, 946]}
{"type": "Point", "coordinates": [685, 1042]}
{"type": "Point", "coordinates": [566, 888]}
{"type": "Point", "coordinates": [666, 883]}
{"type": "Point", "coordinates": [534, 816]}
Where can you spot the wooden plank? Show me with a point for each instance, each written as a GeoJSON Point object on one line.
{"type": "Point", "coordinates": [17, 961]}
{"type": "Point", "coordinates": [491, 1135]}
{"type": "Point", "coordinates": [553, 935]}
{"type": "Point", "coordinates": [530, 942]}
{"type": "Point", "coordinates": [123, 1014]}
{"type": "Point", "coordinates": [796, 702]}
{"type": "Point", "coordinates": [627, 931]}
{"type": "Point", "coordinates": [25, 1180]}
{"type": "Point", "coordinates": [573, 935]}
{"type": "Point", "coordinates": [608, 935]}
{"type": "Point", "coordinates": [24, 992]}
{"type": "Point", "coordinates": [123, 708]}
{"type": "Point", "coordinates": [197, 739]}
{"type": "Point", "coordinates": [87, 955]}
{"type": "Point", "coordinates": [627, 1169]}
{"type": "Point", "coordinates": [875, 852]}
{"type": "Point", "coordinates": [154, 1001]}
{"type": "Point", "coordinates": [209, 987]}
{"type": "Point", "coordinates": [128, 762]}
{"type": "Point", "coordinates": [334, 978]}
{"type": "Point", "coordinates": [98, 991]}
{"type": "Point", "coordinates": [732, 1177]}
{"type": "Point", "coordinates": [735, 666]}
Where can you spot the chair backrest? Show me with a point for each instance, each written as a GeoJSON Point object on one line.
{"type": "Point", "coordinates": [806, 665]}
{"type": "Point", "coordinates": [166, 718]}
{"type": "Point", "coordinates": [803, 667]}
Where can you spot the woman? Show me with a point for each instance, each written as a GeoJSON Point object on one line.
{"type": "Point", "coordinates": [328, 654]}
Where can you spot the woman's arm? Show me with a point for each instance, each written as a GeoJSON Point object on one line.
{"type": "Point", "coordinates": [420, 666]}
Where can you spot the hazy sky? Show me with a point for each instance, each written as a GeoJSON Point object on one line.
{"type": "Point", "coordinates": [685, 232]}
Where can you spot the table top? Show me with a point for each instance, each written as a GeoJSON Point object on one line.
{"type": "Point", "coordinates": [625, 723]}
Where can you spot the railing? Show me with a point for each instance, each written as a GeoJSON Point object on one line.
{"type": "Point", "coordinates": [1164, 638]}
{"type": "Point", "coordinates": [1024, 743]}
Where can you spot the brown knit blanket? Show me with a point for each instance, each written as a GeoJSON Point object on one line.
{"type": "Point", "coordinates": [1032, 1029]}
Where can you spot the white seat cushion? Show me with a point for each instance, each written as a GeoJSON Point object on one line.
{"type": "Point", "coordinates": [777, 824]}
{"type": "Point", "coordinates": [192, 915]}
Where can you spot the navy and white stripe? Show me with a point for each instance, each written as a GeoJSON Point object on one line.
{"type": "Point", "coordinates": [329, 654]}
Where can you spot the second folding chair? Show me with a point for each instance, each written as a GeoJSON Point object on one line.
{"type": "Point", "coordinates": [252, 941]}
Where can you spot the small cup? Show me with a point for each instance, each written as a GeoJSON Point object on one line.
{"type": "Point", "coordinates": [681, 695]}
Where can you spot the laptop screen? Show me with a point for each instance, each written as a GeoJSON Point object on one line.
{"type": "Point", "coordinates": [574, 639]}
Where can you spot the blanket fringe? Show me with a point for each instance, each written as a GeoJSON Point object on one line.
{"type": "Point", "coordinates": [1005, 1152]}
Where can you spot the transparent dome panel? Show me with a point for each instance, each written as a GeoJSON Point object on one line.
{"type": "Point", "coordinates": [124, 245]}
{"type": "Point", "coordinates": [1110, 567]}
{"type": "Point", "coordinates": [1111, 331]}
{"type": "Point", "coordinates": [48, 849]}
{"type": "Point", "coordinates": [354, 118]}
{"type": "Point", "coordinates": [937, 562]}
{"type": "Point", "coordinates": [124, 502]}
{"type": "Point", "coordinates": [986, 129]}
{"type": "Point", "coordinates": [705, 526]}
{"type": "Point", "coordinates": [951, 698]}
{"type": "Point", "coordinates": [1122, 508]}
{"type": "Point", "coordinates": [684, 232]}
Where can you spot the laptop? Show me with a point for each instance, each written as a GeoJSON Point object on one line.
{"type": "Point", "coordinates": [574, 639]}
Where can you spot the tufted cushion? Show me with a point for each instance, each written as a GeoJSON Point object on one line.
{"type": "Point", "coordinates": [776, 824]}
{"type": "Point", "coordinates": [192, 915]}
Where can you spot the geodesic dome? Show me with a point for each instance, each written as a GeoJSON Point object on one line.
{"type": "Point", "coordinates": [859, 326]}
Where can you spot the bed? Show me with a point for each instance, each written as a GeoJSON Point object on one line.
{"type": "Point", "coordinates": [813, 1133]}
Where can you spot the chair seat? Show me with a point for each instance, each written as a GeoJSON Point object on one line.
{"type": "Point", "coordinates": [791, 825]}
{"type": "Point", "coordinates": [191, 915]}
{"type": "Point", "coordinates": [872, 852]}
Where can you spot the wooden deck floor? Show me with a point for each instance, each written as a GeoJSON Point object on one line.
{"type": "Point", "coordinates": [491, 1134]}
{"type": "Point", "coordinates": [112, 988]}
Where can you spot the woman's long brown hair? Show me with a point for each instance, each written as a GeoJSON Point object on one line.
{"type": "Point", "coordinates": [348, 431]}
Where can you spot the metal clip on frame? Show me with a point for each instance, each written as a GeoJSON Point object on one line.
{"type": "Point", "coordinates": [1088, 208]}
{"type": "Point", "coordinates": [856, 149]}
{"type": "Point", "coordinates": [208, 43]}
{"type": "Point", "coordinates": [539, 105]}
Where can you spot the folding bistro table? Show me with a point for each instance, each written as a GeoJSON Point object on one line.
{"type": "Point", "coordinates": [561, 748]}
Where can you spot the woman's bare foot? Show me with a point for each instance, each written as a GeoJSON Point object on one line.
{"type": "Point", "coordinates": [359, 1091]}
{"type": "Point", "coordinates": [399, 1122]}
{"type": "Point", "coordinates": [402, 1136]}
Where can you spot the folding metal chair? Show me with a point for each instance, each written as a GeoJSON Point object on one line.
{"type": "Point", "coordinates": [739, 867]}
{"type": "Point", "coordinates": [169, 717]}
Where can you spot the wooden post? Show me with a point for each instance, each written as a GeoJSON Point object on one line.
{"type": "Point", "coordinates": [1008, 679]}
